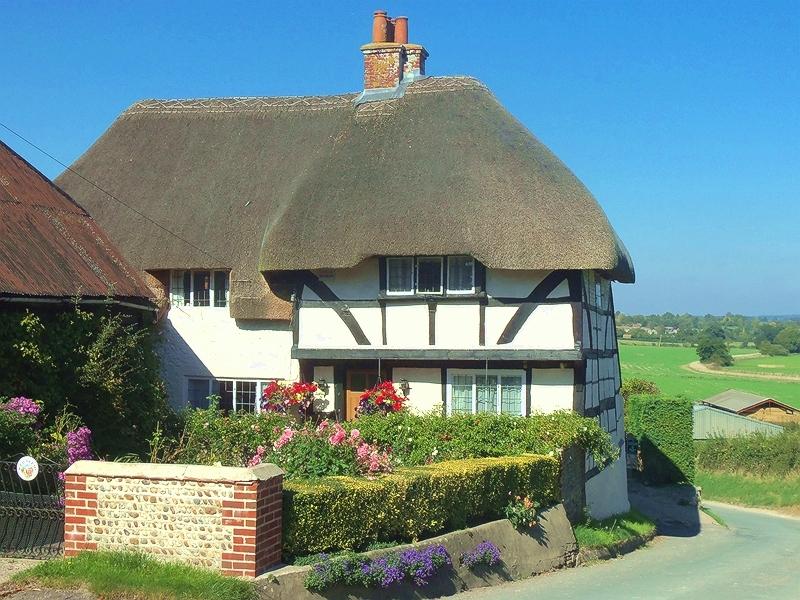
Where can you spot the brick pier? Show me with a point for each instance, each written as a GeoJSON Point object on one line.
{"type": "Point", "coordinates": [223, 518]}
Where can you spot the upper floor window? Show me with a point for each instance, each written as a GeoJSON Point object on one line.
{"type": "Point", "coordinates": [407, 275]}
{"type": "Point", "coordinates": [199, 288]}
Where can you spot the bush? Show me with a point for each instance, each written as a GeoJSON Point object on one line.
{"type": "Point", "coordinates": [771, 349]}
{"type": "Point", "coordinates": [101, 364]}
{"type": "Point", "coordinates": [663, 427]}
{"type": "Point", "coordinates": [210, 436]}
{"type": "Point", "coordinates": [341, 513]}
{"type": "Point", "coordinates": [422, 439]}
{"type": "Point", "coordinates": [17, 435]}
{"type": "Point", "coordinates": [752, 454]}
{"type": "Point", "coordinates": [633, 386]}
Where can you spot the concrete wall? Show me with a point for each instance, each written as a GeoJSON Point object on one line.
{"type": "Point", "coordinates": [222, 518]}
{"type": "Point", "coordinates": [207, 342]}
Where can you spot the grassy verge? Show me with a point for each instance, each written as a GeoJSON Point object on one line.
{"type": "Point", "coordinates": [609, 532]}
{"type": "Point", "coordinates": [117, 575]}
{"type": "Point", "coordinates": [769, 492]}
{"type": "Point", "coordinates": [714, 516]}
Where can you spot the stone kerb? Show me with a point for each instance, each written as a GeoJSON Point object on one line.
{"type": "Point", "coordinates": [223, 518]}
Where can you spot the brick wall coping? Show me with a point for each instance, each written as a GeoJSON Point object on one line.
{"type": "Point", "coordinates": [98, 468]}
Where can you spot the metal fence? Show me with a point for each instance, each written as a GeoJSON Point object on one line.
{"type": "Point", "coordinates": [31, 512]}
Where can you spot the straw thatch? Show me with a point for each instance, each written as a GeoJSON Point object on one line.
{"type": "Point", "coordinates": [280, 184]}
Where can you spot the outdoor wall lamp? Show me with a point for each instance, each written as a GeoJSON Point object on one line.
{"type": "Point", "coordinates": [405, 387]}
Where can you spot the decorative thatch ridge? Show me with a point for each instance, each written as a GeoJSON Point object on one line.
{"type": "Point", "coordinates": [297, 183]}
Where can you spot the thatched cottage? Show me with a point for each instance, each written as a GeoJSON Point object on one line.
{"type": "Point", "coordinates": [414, 231]}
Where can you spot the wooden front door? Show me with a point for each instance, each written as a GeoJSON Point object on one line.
{"type": "Point", "coordinates": [358, 381]}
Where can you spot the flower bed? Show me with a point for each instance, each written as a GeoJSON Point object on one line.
{"type": "Point", "coordinates": [339, 513]}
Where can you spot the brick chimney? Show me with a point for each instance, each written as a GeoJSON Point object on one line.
{"type": "Point", "coordinates": [389, 59]}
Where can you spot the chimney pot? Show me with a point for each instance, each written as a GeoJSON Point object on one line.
{"type": "Point", "coordinates": [401, 30]}
{"type": "Point", "coordinates": [380, 27]}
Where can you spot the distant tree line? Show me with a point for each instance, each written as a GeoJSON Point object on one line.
{"type": "Point", "coordinates": [771, 335]}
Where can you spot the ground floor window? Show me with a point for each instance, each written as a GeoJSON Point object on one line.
{"type": "Point", "coordinates": [472, 391]}
{"type": "Point", "coordinates": [236, 394]}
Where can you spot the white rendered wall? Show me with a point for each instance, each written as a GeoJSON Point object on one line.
{"type": "Point", "coordinates": [426, 388]}
{"type": "Point", "coordinates": [549, 327]}
{"type": "Point", "coordinates": [327, 403]}
{"type": "Point", "coordinates": [406, 326]}
{"type": "Point", "coordinates": [207, 342]}
{"type": "Point", "coordinates": [552, 390]}
{"type": "Point", "coordinates": [457, 325]}
{"type": "Point", "coordinates": [356, 283]}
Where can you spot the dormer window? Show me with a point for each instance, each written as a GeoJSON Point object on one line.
{"type": "Point", "coordinates": [430, 275]}
{"type": "Point", "coordinates": [199, 288]}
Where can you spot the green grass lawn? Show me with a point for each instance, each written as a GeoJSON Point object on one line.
{"type": "Point", "coordinates": [663, 365]}
{"type": "Point", "coordinates": [769, 492]}
{"type": "Point", "coordinates": [606, 533]}
{"type": "Point", "coordinates": [117, 575]}
{"type": "Point", "coordinates": [777, 365]}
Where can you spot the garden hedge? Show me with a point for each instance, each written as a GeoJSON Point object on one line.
{"type": "Point", "coordinates": [663, 427]}
{"type": "Point", "coordinates": [348, 513]}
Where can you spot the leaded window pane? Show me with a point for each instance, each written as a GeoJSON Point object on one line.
{"type": "Point", "coordinates": [220, 288]}
{"type": "Point", "coordinates": [511, 395]}
{"type": "Point", "coordinates": [177, 291]}
{"type": "Point", "coordinates": [400, 275]}
{"type": "Point", "coordinates": [246, 396]}
{"type": "Point", "coordinates": [202, 288]}
{"type": "Point", "coordinates": [460, 274]}
{"type": "Point", "coordinates": [461, 394]}
{"type": "Point", "coordinates": [429, 275]}
{"type": "Point", "coordinates": [487, 393]}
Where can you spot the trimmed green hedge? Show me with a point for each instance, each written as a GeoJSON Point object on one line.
{"type": "Point", "coordinates": [663, 427]}
{"type": "Point", "coordinates": [348, 513]}
{"type": "Point", "coordinates": [754, 454]}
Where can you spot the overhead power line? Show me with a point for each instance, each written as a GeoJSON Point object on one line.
{"type": "Point", "coordinates": [110, 195]}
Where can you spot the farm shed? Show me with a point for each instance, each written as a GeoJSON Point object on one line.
{"type": "Point", "coordinates": [714, 422]}
{"type": "Point", "coordinates": [752, 405]}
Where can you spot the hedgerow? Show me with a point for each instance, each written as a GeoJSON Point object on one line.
{"type": "Point", "coordinates": [349, 513]}
{"type": "Point", "coordinates": [754, 454]}
{"type": "Point", "coordinates": [663, 427]}
{"type": "Point", "coordinates": [421, 439]}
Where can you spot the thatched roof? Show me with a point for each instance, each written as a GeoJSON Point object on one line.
{"type": "Point", "coordinates": [279, 184]}
{"type": "Point", "coordinates": [51, 248]}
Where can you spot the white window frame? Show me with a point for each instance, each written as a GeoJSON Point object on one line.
{"type": "Point", "coordinates": [260, 385]}
{"type": "Point", "coordinates": [499, 373]}
{"type": "Point", "coordinates": [441, 275]}
{"type": "Point", "coordinates": [413, 289]}
{"type": "Point", "coordinates": [212, 288]}
{"type": "Point", "coordinates": [455, 292]}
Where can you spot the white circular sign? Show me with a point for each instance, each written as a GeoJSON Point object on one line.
{"type": "Point", "coordinates": [27, 468]}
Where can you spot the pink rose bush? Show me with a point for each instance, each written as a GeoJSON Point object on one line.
{"type": "Point", "coordinates": [327, 449]}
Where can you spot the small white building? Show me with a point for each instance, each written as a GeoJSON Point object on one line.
{"type": "Point", "coordinates": [414, 231]}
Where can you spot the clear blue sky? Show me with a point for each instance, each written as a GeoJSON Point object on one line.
{"type": "Point", "coordinates": [683, 118]}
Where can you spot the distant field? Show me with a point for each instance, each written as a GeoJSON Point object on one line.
{"type": "Point", "coordinates": [664, 366]}
{"type": "Point", "coordinates": [776, 365]}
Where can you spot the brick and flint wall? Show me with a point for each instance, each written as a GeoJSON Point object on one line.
{"type": "Point", "coordinates": [222, 518]}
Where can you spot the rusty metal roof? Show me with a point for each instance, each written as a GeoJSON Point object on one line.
{"type": "Point", "coordinates": [50, 246]}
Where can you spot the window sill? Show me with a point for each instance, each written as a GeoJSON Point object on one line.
{"type": "Point", "coordinates": [431, 297]}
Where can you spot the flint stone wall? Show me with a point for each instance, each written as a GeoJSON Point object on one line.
{"type": "Point", "coordinates": [223, 518]}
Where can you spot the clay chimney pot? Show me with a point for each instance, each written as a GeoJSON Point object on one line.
{"type": "Point", "coordinates": [380, 27]}
{"type": "Point", "coordinates": [401, 30]}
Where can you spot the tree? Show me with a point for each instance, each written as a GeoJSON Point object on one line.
{"type": "Point", "coordinates": [711, 347]}
{"type": "Point", "coordinates": [634, 386]}
{"type": "Point", "coordinates": [789, 338]}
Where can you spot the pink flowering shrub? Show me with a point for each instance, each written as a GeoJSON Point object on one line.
{"type": "Point", "coordinates": [328, 449]}
{"type": "Point", "coordinates": [22, 405]}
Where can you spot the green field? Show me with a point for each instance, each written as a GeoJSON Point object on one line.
{"type": "Point", "coordinates": [776, 365]}
{"type": "Point", "coordinates": [663, 365]}
{"type": "Point", "coordinates": [773, 492]}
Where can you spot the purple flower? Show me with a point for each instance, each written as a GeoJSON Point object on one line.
{"type": "Point", "coordinates": [485, 553]}
{"type": "Point", "coordinates": [23, 406]}
{"type": "Point", "coordinates": [79, 445]}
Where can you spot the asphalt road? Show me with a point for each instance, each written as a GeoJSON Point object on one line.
{"type": "Point", "coordinates": [758, 557]}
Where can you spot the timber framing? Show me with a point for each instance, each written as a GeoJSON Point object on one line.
{"type": "Point", "coordinates": [569, 355]}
